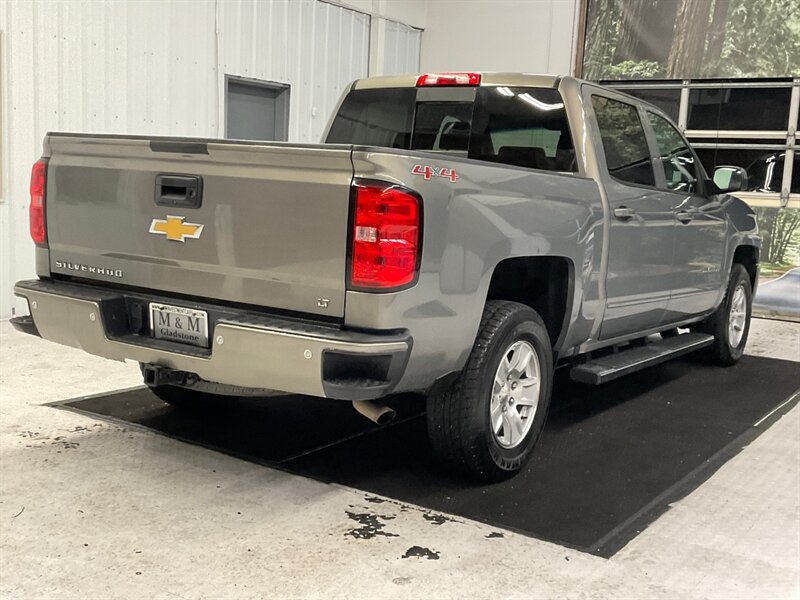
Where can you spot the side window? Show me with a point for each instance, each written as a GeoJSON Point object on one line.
{"type": "Point", "coordinates": [525, 127]}
{"type": "Point", "coordinates": [624, 141]}
{"type": "Point", "coordinates": [680, 168]}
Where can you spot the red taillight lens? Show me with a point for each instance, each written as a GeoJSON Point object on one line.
{"type": "Point", "coordinates": [449, 79]}
{"type": "Point", "coordinates": [36, 210]}
{"type": "Point", "coordinates": [386, 237]}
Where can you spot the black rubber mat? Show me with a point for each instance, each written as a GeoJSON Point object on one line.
{"type": "Point", "coordinates": [610, 460]}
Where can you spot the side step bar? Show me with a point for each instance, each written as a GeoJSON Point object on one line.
{"type": "Point", "coordinates": [608, 368]}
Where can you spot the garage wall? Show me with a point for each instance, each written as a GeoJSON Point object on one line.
{"type": "Point", "coordinates": [146, 67]}
{"type": "Point", "coordinates": [158, 68]}
{"type": "Point", "coordinates": [401, 49]}
{"type": "Point", "coordinates": [500, 35]}
{"type": "Point", "coordinates": [315, 47]}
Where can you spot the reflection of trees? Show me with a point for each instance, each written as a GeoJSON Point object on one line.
{"type": "Point", "coordinates": [716, 36]}
{"type": "Point", "coordinates": [688, 38]}
{"type": "Point", "coordinates": [692, 38]}
{"type": "Point", "coordinates": [642, 27]}
{"type": "Point", "coordinates": [780, 230]}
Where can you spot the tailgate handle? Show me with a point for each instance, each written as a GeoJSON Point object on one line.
{"type": "Point", "coordinates": [185, 191]}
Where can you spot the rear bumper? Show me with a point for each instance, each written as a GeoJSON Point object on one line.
{"type": "Point", "coordinates": [247, 349]}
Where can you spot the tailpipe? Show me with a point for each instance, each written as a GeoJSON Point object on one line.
{"type": "Point", "coordinates": [374, 411]}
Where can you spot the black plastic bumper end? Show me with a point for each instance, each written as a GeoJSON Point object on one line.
{"type": "Point", "coordinates": [25, 324]}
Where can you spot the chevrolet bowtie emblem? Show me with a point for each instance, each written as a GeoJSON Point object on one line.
{"type": "Point", "coordinates": [175, 229]}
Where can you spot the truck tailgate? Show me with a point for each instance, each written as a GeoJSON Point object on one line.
{"type": "Point", "coordinates": [274, 218]}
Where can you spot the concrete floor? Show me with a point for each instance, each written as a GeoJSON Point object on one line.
{"type": "Point", "coordinates": [94, 510]}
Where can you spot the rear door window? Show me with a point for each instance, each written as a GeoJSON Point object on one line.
{"type": "Point", "coordinates": [624, 141]}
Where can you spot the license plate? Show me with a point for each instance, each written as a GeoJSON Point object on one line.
{"type": "Point", "coordinates": [178, 324]}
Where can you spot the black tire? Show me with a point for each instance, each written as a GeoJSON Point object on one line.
{"type": "Point", "coordinates": [723, 352]}
{"type": "Point", "coordinates": [189, 400]}
{"type": "Point", "coordinates": [459, 423]}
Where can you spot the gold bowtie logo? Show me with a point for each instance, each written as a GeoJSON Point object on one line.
{"type": "Point", "coordinates": [175, 229]}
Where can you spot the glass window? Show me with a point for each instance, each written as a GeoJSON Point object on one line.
{"type": "Point", "coordinates": [765, 174]}
{"type": "Point", "coordinates": [668, 100]}
{"type": "Point", "coordinates": [680, 169]}
{"type": "Point", "coordinates": [525, 127]}
{"type": "Point", "coordinates": [624, 142]}
{"type": "Point", "coordinates": [764, 166]}
{"type": "Point", "coordinates": [519, 126]}
{"type": "Point", "coordinates": [381, 117]}
{"type": "Point", "coordinates": [442, 126]}
{"type": "Point", "coordinates": [749, 109]}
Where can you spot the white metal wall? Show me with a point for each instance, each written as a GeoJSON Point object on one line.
{"type": "Point", "coordinates": [534, 36]}
{"type": "Point", "coordinates": [315, 47]}
{"type": "Point", "coordinates": [158, 68]}
{"type": "Point", "coordinates": [401, 49]}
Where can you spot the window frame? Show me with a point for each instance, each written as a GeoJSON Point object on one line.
{"type": "Point", "coordinates": [570, 130]}
{"type": "Point", "coordinates": [648, 136]}
{"type": "Point", "coordinates": [658, 166]}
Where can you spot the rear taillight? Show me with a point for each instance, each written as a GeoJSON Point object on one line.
{"type": "Point", "coordinates": [386, 236]}
{"type": "Point", "coordinates": [36, 210]}
{"type": "Point", "coordinates": [449, 79]}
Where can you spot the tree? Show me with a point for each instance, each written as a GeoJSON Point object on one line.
{"type": "Point", "coordinates": [780, 230]}
{"type": "Point", "coordinates": [601, 32]}
{"type": "Point", "coordinates": [688, 45]}
{"type": "Point", "coordinates": [716, 36]}
{"type": "Point", "coordinates": [762, 39]}
{"type": "Point", "coordinates": [783, 235]}
{"type": "Point", "coordinates": [645, 30]}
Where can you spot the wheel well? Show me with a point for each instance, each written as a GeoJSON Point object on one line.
{"type": "Point", "coordinates": [747, 256]}
{"type": "Point", "coordinates": [542, 282]}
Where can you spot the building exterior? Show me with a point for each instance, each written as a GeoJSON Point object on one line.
{"type": "Point", "coordinates": [181, 68]}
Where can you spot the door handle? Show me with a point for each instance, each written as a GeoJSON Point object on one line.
{"type": "Point", "coordinates": [624, 213]}
{"type": "Point", "coordinates": [684, 216]}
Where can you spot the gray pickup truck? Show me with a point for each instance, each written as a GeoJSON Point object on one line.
{"type": "Point", "coordinates": [459, 235]}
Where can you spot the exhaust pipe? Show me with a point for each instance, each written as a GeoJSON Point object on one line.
{"type": "Point", "coordinates": [379, 414]}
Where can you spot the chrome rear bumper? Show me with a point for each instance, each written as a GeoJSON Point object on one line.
{"type": "Point", "coordinates": [247, 349]}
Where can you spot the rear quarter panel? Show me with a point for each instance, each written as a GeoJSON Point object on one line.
{"type": "Point", "coordinates": [490, 213]}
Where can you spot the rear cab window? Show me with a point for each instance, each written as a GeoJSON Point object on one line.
{"type": "Point", "coordinates": [520, 126]}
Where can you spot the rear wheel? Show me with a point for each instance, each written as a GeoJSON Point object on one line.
{"type": "Point", "coordinates": [487, 422]}
{"type": "Point", "coordinates": [730, 324]}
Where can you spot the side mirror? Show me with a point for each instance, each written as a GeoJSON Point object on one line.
{"type": "Point", "coordinates": [730, 179]}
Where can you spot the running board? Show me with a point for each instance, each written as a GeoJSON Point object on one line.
{"type": "Point", "coordinates": [612, 366]}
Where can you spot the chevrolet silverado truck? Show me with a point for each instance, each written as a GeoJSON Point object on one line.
{"type": "Point", "coordinates": [459, 235]}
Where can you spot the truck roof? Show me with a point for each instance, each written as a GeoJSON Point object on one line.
{"type": "Point", "coordinates": [487, 78]}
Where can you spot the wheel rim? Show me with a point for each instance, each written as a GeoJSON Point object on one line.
{"type": "Point", "coordinates": [737, 317]}
{"type": "Point", "coordinates": [515, 394]}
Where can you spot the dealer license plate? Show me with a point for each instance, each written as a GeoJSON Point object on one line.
{"type": "Point", "coordinates": [178, 324]}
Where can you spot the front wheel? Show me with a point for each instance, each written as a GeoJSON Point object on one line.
{"type": "Point", "coordinates": [730, 324]}
{"type": "Point", "coordinates": [488, 421]}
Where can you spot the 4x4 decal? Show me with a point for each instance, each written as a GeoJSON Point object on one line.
{"type": "Point", "coordinates": [427, 172]}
